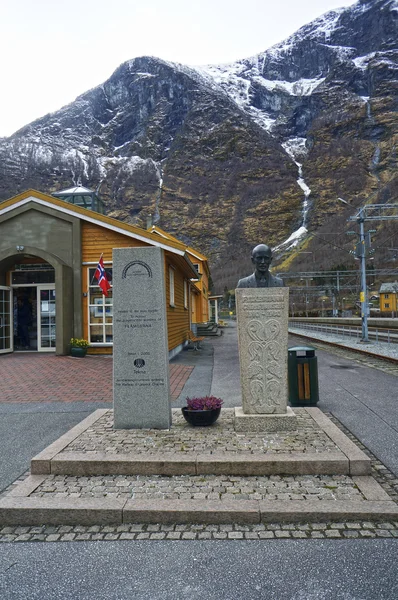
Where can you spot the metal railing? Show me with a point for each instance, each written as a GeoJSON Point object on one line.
{"type": "Point", "coordinates": [389, 336]}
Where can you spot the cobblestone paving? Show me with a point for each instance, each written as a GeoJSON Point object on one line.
{"type": "Point", "coordinates": [221, 437]}
{"type": "Point", "coordinates": [269, 531]}
{"type": "Point", "coordinates": [206, 487]}
{"type": "Point", "coordinates": [374, 529]}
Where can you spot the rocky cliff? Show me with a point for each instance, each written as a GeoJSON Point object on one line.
{"type": "Point", "coordinates": [226, 156]}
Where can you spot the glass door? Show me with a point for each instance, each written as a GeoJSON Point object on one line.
{"type": "Point", "coordinates": [46, 318]}
{"type": "Point", "coordinates": [6, 338]}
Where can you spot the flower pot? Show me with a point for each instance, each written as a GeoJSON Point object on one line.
{"type": "Point", "coordinates": [78, 352]}
{"type": "Point", "coordinates": [201, 418]}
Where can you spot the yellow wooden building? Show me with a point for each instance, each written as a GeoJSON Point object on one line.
{"type": "Point", "coordinates": [388, 295]}
{"type": "Point", "coordinates": [200, 290]}
{"type": "Point", "coordinates": [49, 250]}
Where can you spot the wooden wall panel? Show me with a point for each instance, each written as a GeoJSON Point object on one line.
{"type": "Point", "coordinates": [97, 240]}
{"type": "Point", "coordinates": [177, 315]}
{"type": "Point", "coordinates": [202, 304]}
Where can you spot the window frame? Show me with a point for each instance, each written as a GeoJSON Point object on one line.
{"type": "Point", "coordinates": [96, 309]}
{"type": "Point", "coordinates": [186, 294]}
{"type": "Point", "coordinates": [171, 286]}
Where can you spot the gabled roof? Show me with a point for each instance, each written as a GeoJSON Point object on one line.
{"type": "Point", "coordinates": [90, 216]}
{"type": "Point", "coordinates": [170, 245]}
{"type": "Point", "coordinates": [195, 253]}
{"type": "Point", "coordinates": [387, 288]}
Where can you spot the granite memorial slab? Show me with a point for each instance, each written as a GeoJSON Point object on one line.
{"type": "Point", "coordinates": [141, 391]}
{"type": "Point", "coordinates": [262, 318]}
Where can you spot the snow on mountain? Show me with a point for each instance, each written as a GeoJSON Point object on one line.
{"type": "Point", "coordinates": [226, 155]}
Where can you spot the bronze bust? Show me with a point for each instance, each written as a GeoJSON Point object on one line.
{"type": "Point", "coordinates": [261, 259]}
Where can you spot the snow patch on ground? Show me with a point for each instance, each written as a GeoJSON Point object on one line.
{"type": "Point", "coordinates": [361, 62]}
{"type": "Point", "coordinates": [295, 147]}
{"type": "Point", "coordinates": [292, 240]}
{"type": "Point", "coordinates": [262, 118]}
{"type": "Point", "coordinates": [126, 164]}
{"type": "Point", "coordinates": [301, 87]}
{"type": "Point", "coordinates": [327, 23]}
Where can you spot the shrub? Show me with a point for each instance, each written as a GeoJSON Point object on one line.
{"type": "Point", "coordinates": [204, 403]}
{"type": "Point", "coordinates": [79, 343]}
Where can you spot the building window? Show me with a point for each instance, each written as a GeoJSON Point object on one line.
{"type": "Point", "coordinates": [33, 274]}
{"type": "Point", "coordinates": [386, 296]}
{"type": "Point", "coordinates": [185, 293]}
{"type": "Point", "coordinates": [196, 268]}
{"type": "Point", "coordinates": [387, 305]}
{"type": "Point", "coordinates": [171, 286]}
{"type": "Point", "coordinates": [100, 311]}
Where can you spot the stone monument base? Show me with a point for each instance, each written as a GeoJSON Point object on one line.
{"type": "Point", "coordinates": [265, 422]}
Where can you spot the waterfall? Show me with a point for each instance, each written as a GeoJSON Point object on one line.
{"type": "Point", "coordinates": [374, 161]}
{"type": "Point", "coordinates": [156, 215]}
{"type": "Point", "coordinates": [295, 147]}
{"type": "Point", "coordinates": [306, 191]}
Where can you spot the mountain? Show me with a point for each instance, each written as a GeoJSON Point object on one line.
{"type": "Point", "coordinates": [227, 156]}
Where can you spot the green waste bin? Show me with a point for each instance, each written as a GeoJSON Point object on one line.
{"type": "Point", "coordinates": [302, 366]}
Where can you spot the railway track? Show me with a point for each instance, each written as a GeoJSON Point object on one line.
{"type": "Point", "coordinates": [373, 359]}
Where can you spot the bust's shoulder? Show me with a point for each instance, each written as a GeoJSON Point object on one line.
{"type": "Point", "coordinates": [275, 281]}
{"type": "Point", "coordinates": [246, 282]}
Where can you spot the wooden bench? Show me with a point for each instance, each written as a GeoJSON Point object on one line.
{"type": "Point", "coordinates": [194, 339]}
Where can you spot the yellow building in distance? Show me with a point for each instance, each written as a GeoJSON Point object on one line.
{"type": "Point", "coordinates": [388, 295]}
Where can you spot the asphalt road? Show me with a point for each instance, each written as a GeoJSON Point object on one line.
{"type": "Point", "coordinates": [200, 570]}
{"type": "Point", "coordinates": [26, 429]}
{"type": "Point", "coordinates": [365, 400]}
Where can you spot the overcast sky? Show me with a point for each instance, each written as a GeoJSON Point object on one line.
{"type": "Point", "coordinates": [53, 50]}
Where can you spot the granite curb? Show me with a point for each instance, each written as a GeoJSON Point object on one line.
{"type": "Point", "coordinates": [21, 507]}
{"type": "Point", "coordinates": [40, 464]}
{"type": "Point", "coordinates": [17, 510]}
{"type": "Point", "coordinates": [84, 464]}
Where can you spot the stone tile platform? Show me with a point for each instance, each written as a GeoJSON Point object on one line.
{"type": "Point", "coordinates": [97, 475]}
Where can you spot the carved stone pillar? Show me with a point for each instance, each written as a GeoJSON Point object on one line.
{"type": "Point", "coordinates": [262, 315]}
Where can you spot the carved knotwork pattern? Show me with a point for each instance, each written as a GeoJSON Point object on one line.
{"type": "Point", "coordinates": [265, 368]}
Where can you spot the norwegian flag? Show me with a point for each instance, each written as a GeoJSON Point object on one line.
{"type": "Point", "coordinates": [100, 275]}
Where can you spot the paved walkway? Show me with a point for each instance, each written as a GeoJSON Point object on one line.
{"type": "Point", "coordinates": [359, 568]}
{"type": "Point", "coordinates": [31, 377]}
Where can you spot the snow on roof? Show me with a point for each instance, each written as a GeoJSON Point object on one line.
{"type": "Point", "coordinates": [389, 287]}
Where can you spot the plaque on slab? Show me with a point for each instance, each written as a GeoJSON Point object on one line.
{"type": "Point", "coordinates": [141, 391]}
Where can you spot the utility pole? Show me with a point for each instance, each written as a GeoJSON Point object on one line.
{"type": "Point", "coordinates": [369, 212]}
{"type": "Point", "coordinates": [360, 252]}
{"type": "Point", "coordinates": [364, 291]}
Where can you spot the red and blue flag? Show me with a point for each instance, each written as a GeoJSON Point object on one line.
{"type": "Point", "coordinates": [101, 277]}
